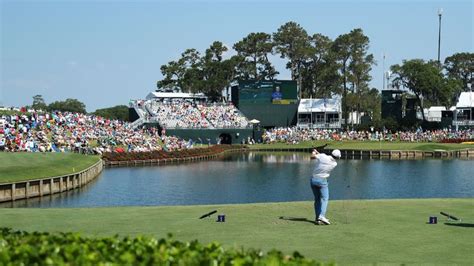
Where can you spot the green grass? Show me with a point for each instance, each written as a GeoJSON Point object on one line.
{"type": "Point", "coordinates": [26, 166]}
{"type": "Point", "coordinates": [369, 145]}
{"type": "Point", "coordinates": [383, 231]}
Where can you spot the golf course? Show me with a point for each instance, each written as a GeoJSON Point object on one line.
{"type": "Point", "coordinates": [392, 231]}
{"type": "Point", "coordinates": [362, 232]}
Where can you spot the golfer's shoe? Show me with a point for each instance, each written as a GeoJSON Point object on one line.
{"type": "Point", "coordinates": [323, 220]}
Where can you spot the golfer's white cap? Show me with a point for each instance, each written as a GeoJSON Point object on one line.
{"type": "Point", "coordinates": [336, 153]}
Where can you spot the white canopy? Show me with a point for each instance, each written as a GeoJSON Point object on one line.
{"type": "Point", "coordinates": [153, 95]}
{"type": "Point", "coordinates": [332, 105]}
{"type": "Point", "coordinates": [466, 100]}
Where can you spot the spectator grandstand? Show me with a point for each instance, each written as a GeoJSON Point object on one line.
{"type": "Point", "coordinates": [189, 113]}
{"type": "Point", "coordinates": [61, 132]}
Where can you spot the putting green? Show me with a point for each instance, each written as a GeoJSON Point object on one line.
{"type": "Point", "coordinates": [24, 166]}
{"type": "Point", "coordinates": [382, 231]}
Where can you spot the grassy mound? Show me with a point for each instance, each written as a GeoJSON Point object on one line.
{"type": "Point", "coordinates": [24, 166]}
{"type": "Point", "coordinates": [383, 231]}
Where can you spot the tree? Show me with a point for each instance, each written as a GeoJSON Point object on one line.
{"type": "Point", "coordinates": [254, 50]}
{"type": "Point", "coordinates": [461, 66]}
{"type": "Point", "coordinates": [173, 74]}
{"type": "Point", "coordinates": [350, 52]}
{"type": "Point", "coordinates": [360, 64]}
{"type": "Point", "coordinates": [320, 78]}
{"type": "Point", "coordinates": [424, 79]}
{"type": "Point", "coordinates": [69, 105]}
{"type": "Point", "coordinates": [292, 42]}
{"type": "Point", "coordinates": [216, 72]}
{"type": "Point", "coordinates": [39, 103]}
{"type": "Point", "coordinates": [341, 49]}
{"type": "Point", "coordinates": [119, 112]}
{"type": "Point", "coordinates": [191, 62]}
{"type": "Point", "coordinates": [370, 102]}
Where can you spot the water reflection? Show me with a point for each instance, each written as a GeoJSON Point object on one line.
{"type": "Point", "coordinates": [264, 177]}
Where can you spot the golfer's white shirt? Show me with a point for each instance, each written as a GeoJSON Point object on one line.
{"type": "Point", "coordinates": [324, 165]}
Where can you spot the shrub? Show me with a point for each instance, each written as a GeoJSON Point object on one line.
{"type": "Point", "coordinates": [23, 248]}
{"type": "Point", "coordinates": [132, 156]}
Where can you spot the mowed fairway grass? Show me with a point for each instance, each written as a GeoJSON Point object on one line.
{"type": "Point", "coordinates": [372, 231]}
{"type": "Point", "coordinates": [369, 145]}
{"type": "Point", "coordinates": [24, 166]}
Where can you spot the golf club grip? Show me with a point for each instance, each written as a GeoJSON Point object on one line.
{"type": "Point", "coordinates": [449, 216]}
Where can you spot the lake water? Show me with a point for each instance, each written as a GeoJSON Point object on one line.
{"type": "Point", "coordinates": [265, 177]}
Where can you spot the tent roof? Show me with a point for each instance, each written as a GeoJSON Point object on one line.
{"type": "Point", "coordinates": [466, 99]}
{"type": "Point", "coordinates": [320, 105]}
{"type": "Point", "coordinates": [155, 94]}
{"type": "Point", "coordinates": [437, 109]}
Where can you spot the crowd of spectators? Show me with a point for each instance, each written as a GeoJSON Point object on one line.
{"type": "Point", "coordinates": [180, 113]}
{"type": "Point", "coordinates": [61, 132]}
{"type": "Point", "coordinates": [293, 135]}
{"type": "Point", "coordinates": [177, 114]}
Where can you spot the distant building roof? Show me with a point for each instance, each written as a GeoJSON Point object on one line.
{"type": "Point", "coordinates": [320, 105]}
{"type": "Point", "coordinates": [436, 109]}
{"type": "Point", "coordinates": [153, 95]}
{"type": "Point", "coordinates": [466, 100]}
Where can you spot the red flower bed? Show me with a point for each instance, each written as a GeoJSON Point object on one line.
{"type": "Point", "coordinates": [134, 156]}
{"type": "Point", "coordinates": [454, 140]}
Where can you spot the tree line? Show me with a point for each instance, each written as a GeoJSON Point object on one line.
{"type": "Point", "coordinates": [73, 105]}
{"type": "Point", "coordinates": [322, 67]}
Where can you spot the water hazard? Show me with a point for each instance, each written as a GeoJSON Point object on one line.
{"type": "Point", "coordinates": [264, 177]}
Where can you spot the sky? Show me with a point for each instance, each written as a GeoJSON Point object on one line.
{"type": "Point", "coordinates": [106, 52]}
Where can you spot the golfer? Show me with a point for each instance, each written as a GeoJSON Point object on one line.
{"type": "Point", "coordinates": [319, 182]}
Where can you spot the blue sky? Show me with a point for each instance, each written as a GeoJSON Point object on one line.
{"type": "Point", "coordinates": [105, 53]}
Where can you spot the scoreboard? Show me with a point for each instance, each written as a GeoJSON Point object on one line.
{"type": "Point", "coordinates": [268, 91]}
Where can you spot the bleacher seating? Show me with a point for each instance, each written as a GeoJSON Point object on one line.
{"type": "Point", "coordinates": [180, 113]}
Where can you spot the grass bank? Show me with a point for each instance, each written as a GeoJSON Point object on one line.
{"type": "Point", "coordinates": [384, 231]}
{"type": "Point", "coordinates": [369, 145]}
{"type": "Point", "coordinates": [25, 166]}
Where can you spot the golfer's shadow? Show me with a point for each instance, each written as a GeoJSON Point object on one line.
{"type": "Point", "coordinates": [460, 224]}
{"type": "Point", "coordinates": [295, 219]}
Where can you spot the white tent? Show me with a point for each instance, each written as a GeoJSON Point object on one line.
{"type": "Point", "coordinates": [434, 113]}
{"type": "Point", "coordinates": [466, 100]}
{"type": "Point", "coordinates": [163, 95]}
{"type": "Point", "coordinates": [320, 113]}
{"type": "Point", "coordinates": [465, 109]}
{"type": "Point", "coordinates": [320, 105]}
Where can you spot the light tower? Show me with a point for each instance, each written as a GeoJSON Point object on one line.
{"type": "Point", "coordinates": [440, 13]}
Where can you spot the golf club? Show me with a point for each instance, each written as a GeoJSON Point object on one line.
{"type": "Point", "coordinates": [450, 216]}
{"type": "Point", "coordinates": [208, 214]}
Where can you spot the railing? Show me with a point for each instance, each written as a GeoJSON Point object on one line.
{"type": "Point", "coordinates": [463, 123]}
{"type": "Point", "coordinates": [321, 125]}
{"type": "Point", "coordinates": [137, 123]}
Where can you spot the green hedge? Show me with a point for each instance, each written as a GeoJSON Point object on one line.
{"type": "Point", "coordinates": [23, 248]}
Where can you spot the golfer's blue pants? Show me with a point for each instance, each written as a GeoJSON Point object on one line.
{"type": "Point", "coordinates": [321, 196]}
